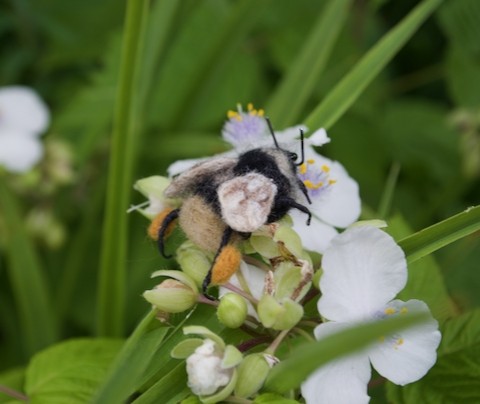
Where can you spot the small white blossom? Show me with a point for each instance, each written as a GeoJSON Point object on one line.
{"type": "Point", "coordinates": [364, 269]}
{"type": "Point", "coordinates": [205, 372]}
{"type": "Point", "coordinates": [23, 118]}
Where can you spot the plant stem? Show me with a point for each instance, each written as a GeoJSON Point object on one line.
{"type": "Point", "coordinates": [112, 275]}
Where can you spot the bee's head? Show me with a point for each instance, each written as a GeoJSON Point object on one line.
{"type": "Point", "coordinates": [291, 155]}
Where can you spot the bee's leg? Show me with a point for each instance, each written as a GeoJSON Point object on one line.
{"type": "Point", "coordinates": [287, 202]}
{"type": "Point", "coordinates": [161, 227]}
{"type": "Point", "coordinates": [304, 190]}
{"type": "Point", "coordinates": [226, 262]}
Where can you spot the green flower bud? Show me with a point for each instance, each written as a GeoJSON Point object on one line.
{"type": "Point", "coordinates": [279, 315]}
{"type": "Point", "coordinates": [172, 296]}
{"type": "Point", "coordinates": [232, 310]}
{"type": "Point", "coordinates": [252, 373]}
{"type": "Point", "coordinates": [291, 240]}
{"type": "Point", "coordinates": [153, 188]}
{"type": "Point", "coordinates": [194, 261]}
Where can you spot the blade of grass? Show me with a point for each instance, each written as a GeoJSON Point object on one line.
{"type": "Point", "coordinates": [112, 275]}
{"type": "Point", "coordinates": [441, 234]}
{"type": "Point", "coordinates": [27, 277]}
{"type": "Point", "coordinates": [308, 357]}
{"type": "Point", "coordinates": [292, 94]}
{"type": "Point", "coordinates": [131, 361]}
{"type": "Point", "coordinates": [388, 191]}
{"type": "Point", "coordinates": [337, 102]}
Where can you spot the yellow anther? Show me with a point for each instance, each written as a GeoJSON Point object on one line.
{"type": "Point", "coordinates": [331, 182]}
{"type": "Point", "coordinates": [390, 310]}
{"type": "Point", "coordinates": [250, 107]}
{"type": "Point", "coordinates": [232, 114]}
{"type": "Point", "coordinates": [310, 161]}
{"type": "Point", "coordinates": [403, 310]}
{"type": "Point", "coordinates": [261, 112]}
{"type": "Point", "coordinates": [303, 168]}
{"type": "Point", "coordinates": [398, 343]}
{"type": "Point", "coordinates": [309, 184]}
{"type": "Point", "coordinates": [325, 168]}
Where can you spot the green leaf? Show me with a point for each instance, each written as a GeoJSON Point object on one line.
{"type": "Point", "coordinates": [441, 234]}
{"type": "Point", "coordinates": [70, 371]}
{"type": "Point", "coordinates": [112, 274]}
{"type": "Point", "coordinates": [131, 362]}
{"type": "Point", "coordinates": [308, 357]}
{"type": "Point", "coordinates": [352, 85]}
{"type": "Point", "coordinates": [455, 378]}
{"type": "Point", "coordinates": [27, 278]}
{"type": "Point", "coordinates": [292, 93]}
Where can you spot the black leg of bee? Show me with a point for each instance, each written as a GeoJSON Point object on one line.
{"type": "Point", "coordinates": [173, 215]}
{"type": "Point", "coordinates": [288, 202]}
{"type": "Point", "coordinates": [304, 191]}
{"type": "Point", "coordinates": [227, 234]}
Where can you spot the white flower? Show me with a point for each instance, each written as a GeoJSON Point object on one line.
{"type": "Point", "coordinates": [335, 201]}
{"type": "Point", "coordinates": [23, 118]}
{"type": "Point", "coordinates": [364, 269]}
{"type": "Point", "coordinates": [205, 371]}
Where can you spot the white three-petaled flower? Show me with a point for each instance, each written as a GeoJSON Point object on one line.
{"type": "Point", "coordinates": [364, 269]}
{"type": "Point", "coordinates": [23, 118]}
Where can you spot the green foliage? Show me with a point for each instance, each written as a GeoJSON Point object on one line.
{"type": "Point", "coordinates": [70, 371]}
{"type": "Point", "coordinates": [389, 82]}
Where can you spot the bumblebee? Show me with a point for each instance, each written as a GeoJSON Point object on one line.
{"type": "Point", "coordinates": [225, 199]}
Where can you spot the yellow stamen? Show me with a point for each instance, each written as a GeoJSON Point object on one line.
{"type": "Point", "coordinates": [250, 107]}
{"type": "Point", "coordinates": [326, 168]}
{"type": "Point", "coordinates": [398, 342]}
{"type": "Point", "coordinates": [309, 184]}
{"type": "Point", "coordinates": [310, 161]}
{"type": "Point", "coordinates": [390, 310]}
{"type": "Point", "coordinates": [261, 112]}
{"type": "Point", "coordinates": [232, 114]}
{"type": "Point", "coordinates": [403, 310]}
{"type": "Point", "coordinates": [303, 168]}
{"type": "Point", "coordinates": [331, 182]}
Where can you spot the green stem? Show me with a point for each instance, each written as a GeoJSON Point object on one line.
{"type": "Point", "coordinates": [111, 288]}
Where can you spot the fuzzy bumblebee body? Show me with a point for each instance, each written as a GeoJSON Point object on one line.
{"type": "Point", "coordinates": [226, 199]}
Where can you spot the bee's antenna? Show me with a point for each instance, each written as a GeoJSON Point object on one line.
{"type": "Point", "coordinates": [302, 143]}
{"type": "Point", "coordinates": [272, 132]}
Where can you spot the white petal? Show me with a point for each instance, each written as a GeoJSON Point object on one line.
{"type": "Point", "coordinates": [408, 356]}
{"type": "Point", "coordinates": [363, 270]}
{"type": "Point", "coordinates": [318, 138]}
{"type": "Point", "coordinates": [340, 206]}
{"type": "Point", "coordinates": [23, 110]}
{"type": "Point", "coordinates": [19, 153]}
{"type": "Point", "coordinates": [343, 381]}
{"type": "Point", "coordinates": [315, 237]}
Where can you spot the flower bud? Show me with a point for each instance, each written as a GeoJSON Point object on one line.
{"type": "Point", "coordinates": [252, 373]}
{"type": "Point", "coordinates": [152, 187]}
{"type": "Point", "coordinates": [232, 310]}
{"type": "Point", "coordinates": [279, 315]}
{"type": "Point", "coordinates": [172, 296]}
{"type": "Point", "coordinates": [194, 261]}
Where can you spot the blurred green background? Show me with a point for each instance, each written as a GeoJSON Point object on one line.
{"type": "Point", "coordinates": [201, 58]}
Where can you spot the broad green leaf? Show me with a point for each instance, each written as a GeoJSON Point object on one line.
{"type": "Point", "coordinates": [27, 279]}
{"type": "Point", "coordinates": [353, 84]}
{"type": "Point", "coordinates": [441, 234]}
{"type": "Point", "coordinates": [112, 274]}
{"type": "Point", "coordinates": [425, 279]}
{"type": "Point", "coordinates": [455, 378]}
{"type": "Point", "coordinates": [292, 93]}
{"type": "Point", "coordinates": [131, 362]}
{"type": "Point", "coordinates": [70, 371]}
{"type": "Point", "coordinates": [308, 357]}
